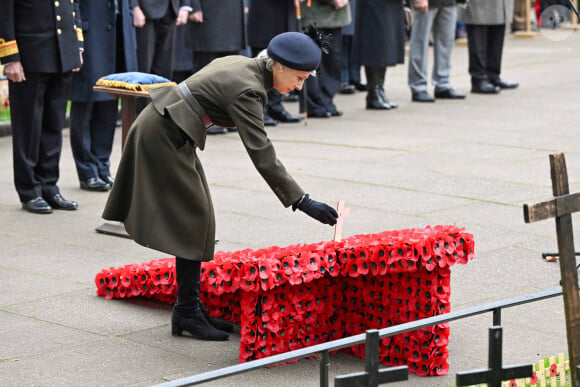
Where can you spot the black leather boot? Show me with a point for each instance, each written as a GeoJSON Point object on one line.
{"type": "Point", "coordinates": [381, 73]}
{"type": "Point", "coordinates": [221, 325]}
{"type": "Point", "coordinates": [187, 312]}
{"type": "Point", "coordinates": [375, 99]}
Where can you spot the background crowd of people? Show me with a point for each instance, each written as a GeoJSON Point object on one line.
{"type": "Point", "coordinates": [54, 52]}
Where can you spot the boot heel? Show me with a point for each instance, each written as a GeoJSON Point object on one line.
{"type": "Point", "coordinates": [176, 330]}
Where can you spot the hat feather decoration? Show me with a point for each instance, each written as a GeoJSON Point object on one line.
{"type": "Point", "coordinates": [322, 40]}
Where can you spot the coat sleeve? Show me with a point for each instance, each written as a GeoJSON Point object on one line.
{"type": "Point", "coordinates": [247, 114]}
{"type": "Point", "coordinates": [8, 46]}
{"type": "Point", "coordinates": [196, 5]}
{"type": "Point", "coordinates": [78, 24]}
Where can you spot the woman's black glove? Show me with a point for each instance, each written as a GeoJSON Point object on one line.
{"type": "Point", "coordinates": [319, 211]}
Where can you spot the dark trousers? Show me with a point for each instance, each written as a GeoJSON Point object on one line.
{"type": "Point", "coordinates": [37, 113]}
{"type": "Point", "coordinates": [321, 89]}
{"type": "Point", "coordinates": [485, 44]}
{"type": "Point", "coordinates": [92, 130]}
{"type": "Point", "coordinates": [155, 45]}
{"type": "Point", "coordinates": [350, 71]}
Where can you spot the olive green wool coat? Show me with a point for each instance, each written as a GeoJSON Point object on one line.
{"type": "Point", "coordinates": [160, 192]}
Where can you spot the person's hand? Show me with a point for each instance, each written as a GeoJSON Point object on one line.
{"type": "Point", "coordinates": [317, 210]}
{"type": "Point", "coordinates": [421, 5]}
{"type": "Point", "coordinates": [196, 17]}
{"type": "Point", "coordinates": [338, 4]}
{"type": "Point", "coordinates": [182, 17]}
{"type": "Point", "coordinates": [138, 17]}
{"type": "Point", "coordinates": [77, 69]}
{"type": "Point", "coordinates": [15, 72]}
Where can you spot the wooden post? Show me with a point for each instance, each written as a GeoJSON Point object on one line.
{"type": "Point", "coordinates": [562, 208]}
{"type": "Point", "coordinates": [567, 256]}
{"type": "Point", "coordinates": [342, 213]}
{"type": "Point", "coordinates": [528, 33]}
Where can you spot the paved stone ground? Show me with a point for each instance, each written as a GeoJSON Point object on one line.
{"type": "Point", "coordinates": [472, 163]}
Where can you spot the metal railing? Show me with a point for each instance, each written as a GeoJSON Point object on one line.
{"type": "Point", "coordinates": [324, 348]}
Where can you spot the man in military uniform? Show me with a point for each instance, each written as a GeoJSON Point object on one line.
{"type": "Point", "coordinates": [40, 47]}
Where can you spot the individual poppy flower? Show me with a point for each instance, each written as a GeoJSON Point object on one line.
{"type": "Point", "coordinates": [534, 378]}
{"type": "Point", "coordinates": [210, 275]}
{"type": "Point", "coordinates": [226, 270]}
{"type": "Point", "coordinates": [513, 383]}
{"type": "Point", "coordinates": [362, 266]}
{"type": "Point", "coordinates": [440, 367]}
{"type": "Point", "coordinates": [350, 268]}
{"type": "Point", "coordinates": [553, 370]}
{"type": "Point", "coordinates": [423, 368]}
{"type": "Point", "coordinates": [230, 286]}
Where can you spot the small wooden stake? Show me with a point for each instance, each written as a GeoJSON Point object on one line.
{"type": "Point", "coordinates": [342, 213]}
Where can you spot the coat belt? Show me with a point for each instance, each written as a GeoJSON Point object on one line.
{"type": "Point", "coordinates": [194, 105]}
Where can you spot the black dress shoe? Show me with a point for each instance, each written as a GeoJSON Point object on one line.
{"type": "Point", "coordinates": [422, 96]}
{"type": "Point", "coordinates": [484, 87]}
{"type": "Point", "coordinates": [291, 96]}
{"type": "Point", "coordinates": [336, 113]}
{"type": "Point", "coordinates": [284, 116]}
{"type": "Point", "coordinates": [232, 129]}
{"type": "Point", "coordinates": [319, 114]}
{"type": "Point", "coordinates": [346, 88]}
{"type": "Point", "coordinates": [505, 84]}
{"type": "Point", "coordinates": [269, 121]}
{"type": "Point", "coordinates": [448, 94]}
{"type": "Point", "coordinates": [59, 203]}
{"type": "Point", "coordinates": [359, 86]}
{"type": "Point", "coordinates": [108, 179]}
{"type": "Point", "coordinates": [37, 206]}
{"type": "Point", "coordinates": [95, 184]}
{"type": "Point", "coordinates": [217, 130]}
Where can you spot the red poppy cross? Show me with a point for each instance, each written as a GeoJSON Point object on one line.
{"type": "Point", "coordinates": [342, 213]}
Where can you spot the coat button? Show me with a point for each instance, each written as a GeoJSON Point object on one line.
{"type": "Point", "coordinates": [109, 27]}
{"type": "Point", "coordinates": [56, 4]}
{"type": "Point", "coordinates": [58, 17]}
{"type": "Point", "coordinates": [59, 31]}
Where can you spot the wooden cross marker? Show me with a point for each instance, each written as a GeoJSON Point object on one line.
{"type": "Point", "coordinates": [342, 213]}
{"type": "Point", "coordinates": [561, 208]}
{"type": "Point", "coordinates": [495, 372]}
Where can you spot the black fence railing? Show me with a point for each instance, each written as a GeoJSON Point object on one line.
{"type": "Point", "coordinates": [371, 338]}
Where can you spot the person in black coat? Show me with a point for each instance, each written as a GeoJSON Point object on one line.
{"type": "Point", "coordinates": [266, 19]}
{"type": "Point", "coordinates": [155, 21]}
{"type": "Point", "coordinates": [110, 47]}
{"type": "Point", "coordinates": [40, 47]}
{"type": "Point", "coordinates": [379, 43]}
{"type": "Point", "coordinates": [217, 29]}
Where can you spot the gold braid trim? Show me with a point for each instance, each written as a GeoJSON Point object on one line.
{"type": "Point", "coordinates": [8, 48]}
{"type": "Point", "coordinates": [131, 86]}
{"type": "Point", "coordinates": [80, 36]}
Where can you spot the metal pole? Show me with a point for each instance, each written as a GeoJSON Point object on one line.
{"type": "Point", "coordinates": [372, 357]}
{"type": "Point", "coordinates": [324, 369]}
{"type": "Point", "coordinates": [497, 316]}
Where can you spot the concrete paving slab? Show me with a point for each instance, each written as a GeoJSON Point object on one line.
{"type": "Point", "coordinates": [23, 286]}
{"type": "Point", "coordinates": [29, 337]}
{"type": "Point", "coordinates": [85, 311]}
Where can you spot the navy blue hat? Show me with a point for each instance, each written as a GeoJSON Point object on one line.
{"type": "Point", "coordinates": [295, 50]}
